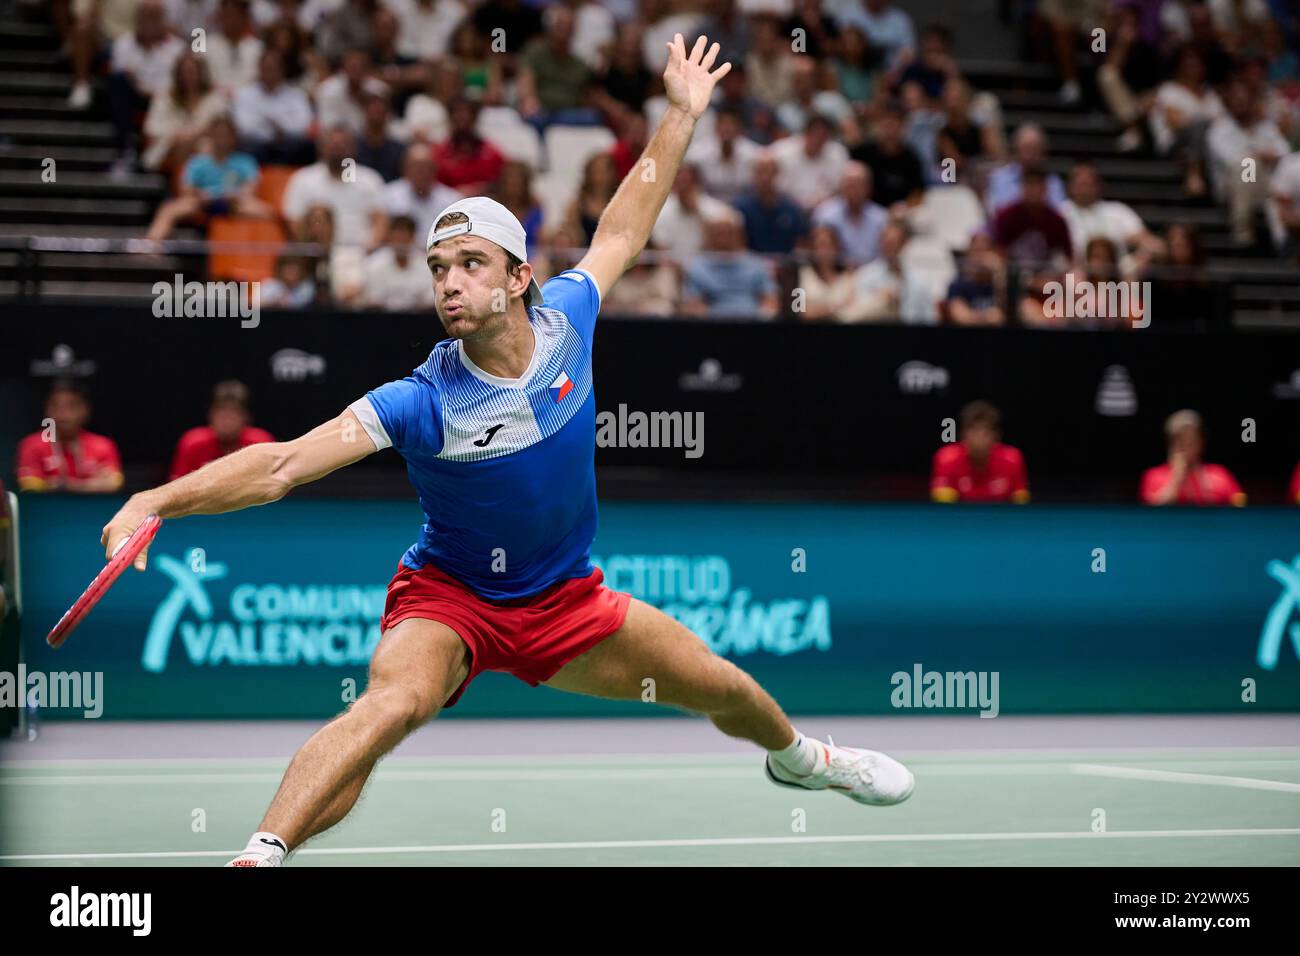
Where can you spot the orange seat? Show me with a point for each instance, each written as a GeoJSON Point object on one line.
{"type": "Point", "coordinates": [270, 187]}
{"type": "Point", "coordinates": [264, 237]}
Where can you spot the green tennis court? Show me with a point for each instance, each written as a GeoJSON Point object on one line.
{"type": "Point", "coordinates": [1223, 806]}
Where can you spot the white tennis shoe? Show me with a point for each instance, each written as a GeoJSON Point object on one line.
{"type": "Point", "coordinates": [863, 776]}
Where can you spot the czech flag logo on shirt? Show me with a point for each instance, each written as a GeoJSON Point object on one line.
{"type": "Point", "coordinates": [561, 387]}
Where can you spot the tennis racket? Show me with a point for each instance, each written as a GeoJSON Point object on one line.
{"type": "Point", "coordinates": [122, 559]}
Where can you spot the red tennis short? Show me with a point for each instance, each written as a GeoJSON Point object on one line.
{"type": "Point", "coordinates": [531, 637]}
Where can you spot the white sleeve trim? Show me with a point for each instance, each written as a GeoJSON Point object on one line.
{"type": "Point", "coordinates": [369, 419]}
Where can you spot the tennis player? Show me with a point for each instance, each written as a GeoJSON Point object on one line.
{"type": "Point", "coordinates": [498, 432]}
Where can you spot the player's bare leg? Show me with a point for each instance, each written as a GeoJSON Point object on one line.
{"type": "Point", "coordinates": [651, 645]}
{"type": "Point", "coordinates": [417, 665]}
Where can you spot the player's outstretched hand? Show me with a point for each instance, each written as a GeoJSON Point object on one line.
{"type": "Point", "coordinates": [121, 527]}
{"type": "Point", "coordinates": [687, 79]}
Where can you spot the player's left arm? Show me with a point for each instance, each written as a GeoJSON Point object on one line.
{"type": "Point", "coordinates": [626, 222]}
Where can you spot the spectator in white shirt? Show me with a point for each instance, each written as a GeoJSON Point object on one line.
{"type": "Point", "coordinates": [141, 68]}
{"type": "Point", "coordinates": [395, 276]}
{"type": "Point", "coordinates": [1243, 148]}
{"type": "Point", "coordinates": [273, 117]}
{"type": "Point", "coordinates": [811, 163]}
{"type": "Point", "coordinates": [807, 96]}
{"type": "Point", "coordinates": [353, 194]}
{"type": "Point", "coordinates": [1284, 218]}
{"type": "Point", "coordinates": [426, 26]}
{"type": "Point", "coordinates": [418, 194]}
{"type": "Point", "coordinates": [888, 289]}
{"type": "Point", "coordinates": [726, 161]}
{"type": "Point", "coordinates": [96, 24]}
{"type": "Point", "coordinates": [1091, 217]}
{"type": "Point", "coordinates": [340, 100]}
{"type": "Point", "coordinates": [233, 50]}
{"type": "Point", "coordinates": [680, 226]}
{"type": "Point", "coordinates": [178, 117]}
{"type": "Point", "coordinates": [1183, 110]}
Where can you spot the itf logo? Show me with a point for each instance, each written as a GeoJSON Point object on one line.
{"type": "Point", "coordinates": [261, 624]}
{"type": "Point", "coordinates": [1284, 608]}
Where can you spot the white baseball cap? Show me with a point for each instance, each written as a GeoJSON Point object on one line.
{"type": "Point", "coordinates": [495, 223]}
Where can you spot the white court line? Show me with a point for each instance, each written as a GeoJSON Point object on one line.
{"type": "Point", "coordinates": [707, 841]}
{"type": "Point", "coordinates": [1173, 776]}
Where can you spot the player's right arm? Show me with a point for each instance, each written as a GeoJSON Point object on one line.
{"type": "Point", "coordinates": [256, 475]}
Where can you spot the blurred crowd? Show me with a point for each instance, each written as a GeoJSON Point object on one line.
{"type": "Point", "coordinates": [847, 171]}
{"type": "Point", "coordinates": [973, 465]}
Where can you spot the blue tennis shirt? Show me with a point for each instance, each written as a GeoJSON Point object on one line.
{"type": "Point", "coordinates": [505, 468]}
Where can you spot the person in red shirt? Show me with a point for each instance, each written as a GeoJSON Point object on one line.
{"type": "Point", "coordinates": [1293, 495]}
{"type": "Point", "coordinates": [1030, 232]}
{"type": "Point", "coordinates": [466, 161]}
{"type": "Point", "coordinates": [1184, 479]}
{"type": "Point", "coordinates": [979, 467]}
{"type": "Point", "coordinates": [63, 455]}
{"type": "Point", "coordinates": [227, 430]}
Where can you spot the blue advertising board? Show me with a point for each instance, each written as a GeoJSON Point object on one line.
{"type": "Point", "coordinates": [835, 608]}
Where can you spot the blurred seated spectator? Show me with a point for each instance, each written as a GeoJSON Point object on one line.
{"type": "Point", "coordinates": [477, 67]}
{"type": "Point", "coordinates": [228, 429]}
{"type": "Point", "coordinates": [418, 194]}
{"type": "Point", "coordinates": [811, 162]}
{"type": "Point", "coordinates": [1243, 134]}
{"type": "Point", "coordinates": [401, 74]}
{"type": "Point", "coordinates": [341, 98]}
{"type": "Point", "coordinates": [933, 67]}
{"type": "Point", "coordinates": [896, 170]}
{"type": "Point", "coordinates": [726, 160]}
{"type": "Point", "coordinates": [681, 225]}
{"type": "Point", "coordinates": [466, 161]}
{"type": "Point", "coordinates": [375, 148]}
{"type": "Point", "coordinates": [923, 120]}
{"type": "Point", "coordinates": [1029, 230]}
{"type": "Point", "coordinates": [854, 216]}
{"type": "Point", "coordinates": [887, 289]}
{"type": "Point", "coordinates": [140, 69]}
{"type": "Point", "coordinates": [978, 466]}
{"type": "Point", "coordinates": [1070, 21]}
{"type": "Point", "coordinates": [1129, 75]}
{"type": "Point", "coordinates": [774, 222]}
{"type": "Point", "coordinates": [336, 270]}
{"type": "Point", "coordinates": [554, 84]}
{"type": "Point", "coordinates": [1284, 217]}
{"type": "Point", "coordinates": [810, 16]}
{"type": "Point", "coordinates": [977, 295]}
{"type": "Point", "coordinates": [353, 193]}
{"type": "Point", "coordinates": [95, 25]}
{"type": "Point", "coordinates": [770, 63]}
{"type": "Point", "coordinates": [64, 455]}
{"type": "Point", "coordinates": [233, 48]}
{"type": "Point", "coordinates": [599, 181]}
{"type": "Point", "coordinates": [888, 28]}
{"type": "Point", "coordinates": [299, 62]}
{"type": "Point", "coordinates": [633, 133]}
{"type": "Point", "coordinates": [648, 288]}
{"type": "Point", "coordinates": [856, 66]}
{"type": "Point", "coordinates": [215, 182]}
{"type": "Point", "coordinates": [758, 118]}
{"type": "Point", "coordinates": [1036, 286]}
{"type": "Point", "coordinates": [425, 26]}
{"type": "Point", "coordinates": [348, 26]}
{"type": "Point", "coordinates": [518, 21]}
{"type": "Point", "coordinates": [1184, 107]}
{"type": "Point", "coordinates": [809, 95]}
{"type": "Point", "coordinates": [1185, 479]}
{"type": "Point", "coordinates": [728, 282]}
{"type": "Point", "coordinates": [624, 81]}
{"type": "Point", "coordinates": [292, 286]}
{"type": "Point", "coordinates": [179, 116]}
{"type": "Point", "coordinates": [827, 285]}
{"type": "Point", "coordinates": [274, 117]}
{"type": "Point", "coordinates": [1029, 147]}
{"type": "Point", "coordinates": [1090, 217]}
{"type": "Point", "coordinates": [593, 30]}
{"type": "Point", "coordinates": [396, 277]}
{"type": "Point", "coordinates": [964, 136]}
{"type": "Point", "coordinates": [514, 190]}
{"type": "Point", "coordinates": [1102, 270]}
{"type": "Point", "coordinates": [1181, 291]}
